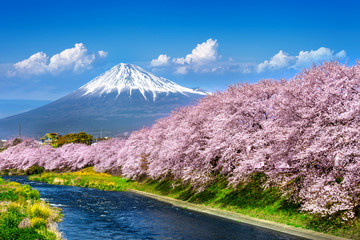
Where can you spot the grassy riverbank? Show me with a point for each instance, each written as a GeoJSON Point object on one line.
{"type": "Point", "coordinates": [250, 199]}
{"type": "Point", "coordinates": [23, 215]}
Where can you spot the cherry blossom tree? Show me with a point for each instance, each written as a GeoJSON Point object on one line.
{"type": "Point", "coordinates": [303, 134]}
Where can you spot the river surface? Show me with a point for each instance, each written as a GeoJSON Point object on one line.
{"type": "Point", "coordinates": [94, 214]}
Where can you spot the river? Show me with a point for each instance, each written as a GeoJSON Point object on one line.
{"type": "Point", "coordinates": [94, 214]}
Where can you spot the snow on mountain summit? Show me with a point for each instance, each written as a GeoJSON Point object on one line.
{"type": "Point", "coordinates": [128, 77]}
{"type": "Point", "coordinates": [124, 99]}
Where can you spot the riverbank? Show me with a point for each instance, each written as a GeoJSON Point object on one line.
{"type": "Point", "coordinates": [265, 208]}
{"type": "Point", "coordinates": [23, 215]}
{"type": "Point", "coordinates": [299, 232]}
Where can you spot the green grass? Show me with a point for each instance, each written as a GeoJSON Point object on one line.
{"type": "Point", "coordinates": [86, 178]}
{"type": "Point", "coordinates": [24, 216]}
{"type": "Point", "coordinates": [249, 199]}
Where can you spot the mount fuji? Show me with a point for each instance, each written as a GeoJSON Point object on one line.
{"type": "Point", "coordinates": [121, 100]}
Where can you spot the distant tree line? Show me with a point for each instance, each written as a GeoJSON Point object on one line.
{"type": "Point", "coordinates": [80, 137]}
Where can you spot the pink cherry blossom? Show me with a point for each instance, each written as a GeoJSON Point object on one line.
{"type": "Point", "coordinates": [304, 131]}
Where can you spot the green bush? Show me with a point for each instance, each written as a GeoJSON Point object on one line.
{"type": "Point", "coordinates": [35, 169]}
{"type": "Point", "coordinates": [40, 210]}
{"type": "Point", "coordinates": [80, 137]}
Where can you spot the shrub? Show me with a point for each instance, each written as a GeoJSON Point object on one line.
{"type": "Point", "coordinates": [40, 210]}
{"type": "Point", "coordinates": [37, 222]}
{"type": "Point", "coordinates": [34, 169]}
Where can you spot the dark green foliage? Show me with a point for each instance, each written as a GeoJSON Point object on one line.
{"type": "Point", "coordinates": [2, 147]}
{"type": "Point", "coordinates": [35, 169]}
{"type": "Point", "coordinates": [325, 224]}
{"type": "Point", "coordinates": [80, 137]}
{"type": "Point", "coordinates": [339, 180]}
{"type": "Point", "coordinates": [252, 195]}
{"type": "Point", "coordinates": [9, 195]}
{"type": "Point", "coordinates": [12, 171]}
{"type": "Point", "coordinates": [16, 141]}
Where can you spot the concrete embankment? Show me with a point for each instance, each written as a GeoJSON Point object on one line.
{"type": "Point", "coordinates": [309, 234]}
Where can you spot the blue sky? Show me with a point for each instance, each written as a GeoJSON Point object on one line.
{"type": "Point", "coordinates": [50, 48]}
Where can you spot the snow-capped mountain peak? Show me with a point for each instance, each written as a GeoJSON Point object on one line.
{"type": "Point", "coordinates": [128, 77]}
{"type": "Point", "coordinates": [120, 100]}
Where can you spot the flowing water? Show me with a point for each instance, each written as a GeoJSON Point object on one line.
{"type": "Point", "coordinates": [94, 214]}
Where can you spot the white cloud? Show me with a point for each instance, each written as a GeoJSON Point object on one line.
{"type": "Point", "coordinates": [341, 54]}
{"type": "Point", "coordinates": [280, 60]}
{"type": "Point", "coordinates": [204, 58]}
{"type": "Point", "coordinates": [199, 60]}
{"type": "Point", "coordinates": [162, 60]}
{"type": "Point", "coordinates": [302, 60]}
{"type": "Point", "coordinates": [203, 53]}
{"type": "Point", "coordinates": [34, 65]}
{"type": "Point", "coordinates": [73, 59]}
{"type": "Point", "coordinates": [306, 58]}
{"type": "Point", "coordinates": [102, 54]}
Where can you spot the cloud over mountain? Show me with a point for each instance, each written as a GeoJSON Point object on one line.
{"type": "Point", "coordinates": [203, 53]}
{"type": "Point", "coordinates": [197, 61]}
{"type": "Point", "coordinates": [74, 59]}
{"type": "Point", "coordinates": [162, 60]}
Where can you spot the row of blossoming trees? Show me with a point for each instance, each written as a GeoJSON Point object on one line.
{"type": "Point", "coordinates": [303, 134]}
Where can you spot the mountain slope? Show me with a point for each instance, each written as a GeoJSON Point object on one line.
{"type": "Point", "coordinates": [123, 99]}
